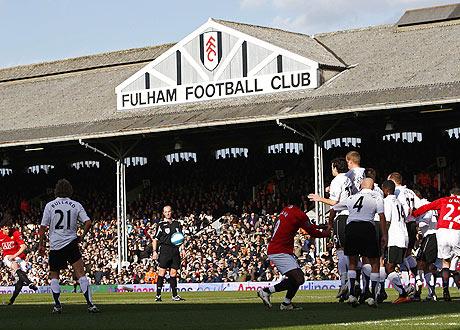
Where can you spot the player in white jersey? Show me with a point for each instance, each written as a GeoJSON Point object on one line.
{"type": "Point", "coordinates": [360, 235]}
{"type": "Point", "coordinates": [409, 202]}
{"type": "Point", "coordinates": [339, 190]}
{"type": "Point", "coordinates": [355, 171]}
{"type": "Point", "coordinates": [62, 217]}
{"type": "Point", "coordinates": [397, 240]}
{"type": "Point", "coordinates": [356, 175]}
{"type": "Point", "coordinates": [366, 268]}
{"type": "Point", "coordinates": [427, 253]}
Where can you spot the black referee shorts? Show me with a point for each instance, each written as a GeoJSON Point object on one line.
{"type": "Point", "coordinates": [69, 254]}
{"type": "Point", "coordinates": [339, 231]}
{"type": "Point", "coordinates": [169, 257]}
{"type": "Point", "coordinates": [428, 251]}
{"type": "Point", "coordinates": [361, 239]}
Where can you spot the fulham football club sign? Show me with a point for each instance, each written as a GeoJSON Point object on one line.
{"type": "Point", "coordinates": [212, 63]}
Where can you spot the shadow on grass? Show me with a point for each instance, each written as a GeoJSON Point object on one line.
{"type": "Point", "coordinates": [184, 315]}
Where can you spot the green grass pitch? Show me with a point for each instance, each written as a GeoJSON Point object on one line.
{"type": "Point", "coordinates": [224, 310]}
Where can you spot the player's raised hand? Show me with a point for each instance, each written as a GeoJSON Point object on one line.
{"type": "Point", "coordinates": [314, 197]}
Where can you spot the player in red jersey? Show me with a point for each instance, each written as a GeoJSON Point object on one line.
{"type": "Point", "coordinates": [447, 233]}
{"type": "Point", "coordinates": [281, 253]}
{"type": "Point", "coordinates": [13, 248]}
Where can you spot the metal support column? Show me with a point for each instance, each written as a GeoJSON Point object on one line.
{"type": "Point", "coordinates": [317, 137]}
{"type": "Point", "coordinates": [122, 232]}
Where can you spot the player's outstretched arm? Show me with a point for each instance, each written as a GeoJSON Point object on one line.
{"type": "Point", "coordinates": [318, 198]}
{"type": "Point", "coordinates": [435, 205]}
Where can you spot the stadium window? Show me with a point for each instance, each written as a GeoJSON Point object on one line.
{"type": "Point", "coordinates": [234, 152]}
{"type": "Point", "coordinates": [85, 164]}
{"type": "Point", "coordinates": [5, 171]}
{"type": "Point", "coordinates": [409, 137]}
{"type": "Point", "coordinates": [36, 169]}
{"type": "Point", "coordinates": [288, 147]}
{"type": "Point", "coordinates": [135, 161]}
{"type": "Point", "coordinates": [454, 133]}
{"type": "Point", "coordinates": [181, 157]}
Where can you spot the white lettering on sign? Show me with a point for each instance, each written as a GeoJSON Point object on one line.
{"type": "Point", "coordinates": [215, 90]}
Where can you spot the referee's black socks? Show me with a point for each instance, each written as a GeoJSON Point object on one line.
{"type": "Point", "coordinates": [160, 281]}
{"type": "Point", "coordinates": [173, 284]}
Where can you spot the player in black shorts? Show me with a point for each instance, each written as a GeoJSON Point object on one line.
{"type": "Point", "coordinates": [166, 253]}
{"type": "Point", "coordinates": [427, 253]}
{"type": "Point", "coordinates": [62, 218]}
{"type": "Point", "coordinates": [339, 190]}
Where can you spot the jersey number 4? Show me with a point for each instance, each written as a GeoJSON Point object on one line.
{"type": "Point", "coordinates": [61, 218]}
{"type": "Point", "coordinates": [359, 204]}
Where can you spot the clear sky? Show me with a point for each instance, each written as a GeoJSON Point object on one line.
{"type": "Point", "coordinates": [33, 31]}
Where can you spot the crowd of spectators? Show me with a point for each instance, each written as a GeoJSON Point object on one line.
{"type": "Point", "coordinates": [244, 193]}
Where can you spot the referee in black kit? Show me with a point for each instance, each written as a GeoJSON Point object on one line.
{"type": "Point", "coordinates": [166, 253]}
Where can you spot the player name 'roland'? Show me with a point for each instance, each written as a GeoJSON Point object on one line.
{"type": "Point", "coordinates": [215, 90]}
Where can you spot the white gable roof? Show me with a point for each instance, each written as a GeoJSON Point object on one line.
{"type": "Point", "coordinates": [181, 73]}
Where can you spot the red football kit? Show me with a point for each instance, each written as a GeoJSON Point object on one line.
{"type": "Point", "coordinates": [11, 243]}
{"type": "Point", "coordinates": [448, 210]}
{"type": "Point", "coordinates": [290, 220]}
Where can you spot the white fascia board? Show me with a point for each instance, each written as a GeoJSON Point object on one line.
{"type": "Point", "coordinates": [226, 122]}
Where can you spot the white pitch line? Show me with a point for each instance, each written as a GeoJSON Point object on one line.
{"type": "Point", "coordinates": [407, 321]}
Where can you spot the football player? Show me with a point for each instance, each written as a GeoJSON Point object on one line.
{"type": "Point", "coordinates": [281, 253]}
{"type": "Point", "coordinates": [361, 237]}
{"type": "Point", "coordinates": [62, 217]}
{"type": "Point", "coordinates": [340, 189]}
{"type": "Point", "coordinates": [410, 202]}
{"type": "Point", "coordinates": [397, 240]}
{"type": "Point", "coordinates": [14, 257]}
{"type": "Point", "coordinates": [447, 233]}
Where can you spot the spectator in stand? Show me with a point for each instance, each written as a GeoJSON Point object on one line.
{"type": "Point", "coordinates": [151, 276]}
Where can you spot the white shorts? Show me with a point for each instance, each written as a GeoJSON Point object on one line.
{"type": "Point", "coordinates": [22, 263]}
{"type": "Point", "coordinates": [284, 262]}
{"type": "Point", "coordinates": [448, 243]}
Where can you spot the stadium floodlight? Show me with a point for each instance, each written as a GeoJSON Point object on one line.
{"type": "Point", "coordinates": [34, 149]}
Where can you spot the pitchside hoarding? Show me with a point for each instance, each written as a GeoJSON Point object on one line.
{"type": "Point", "coordinates": [195, 287]}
